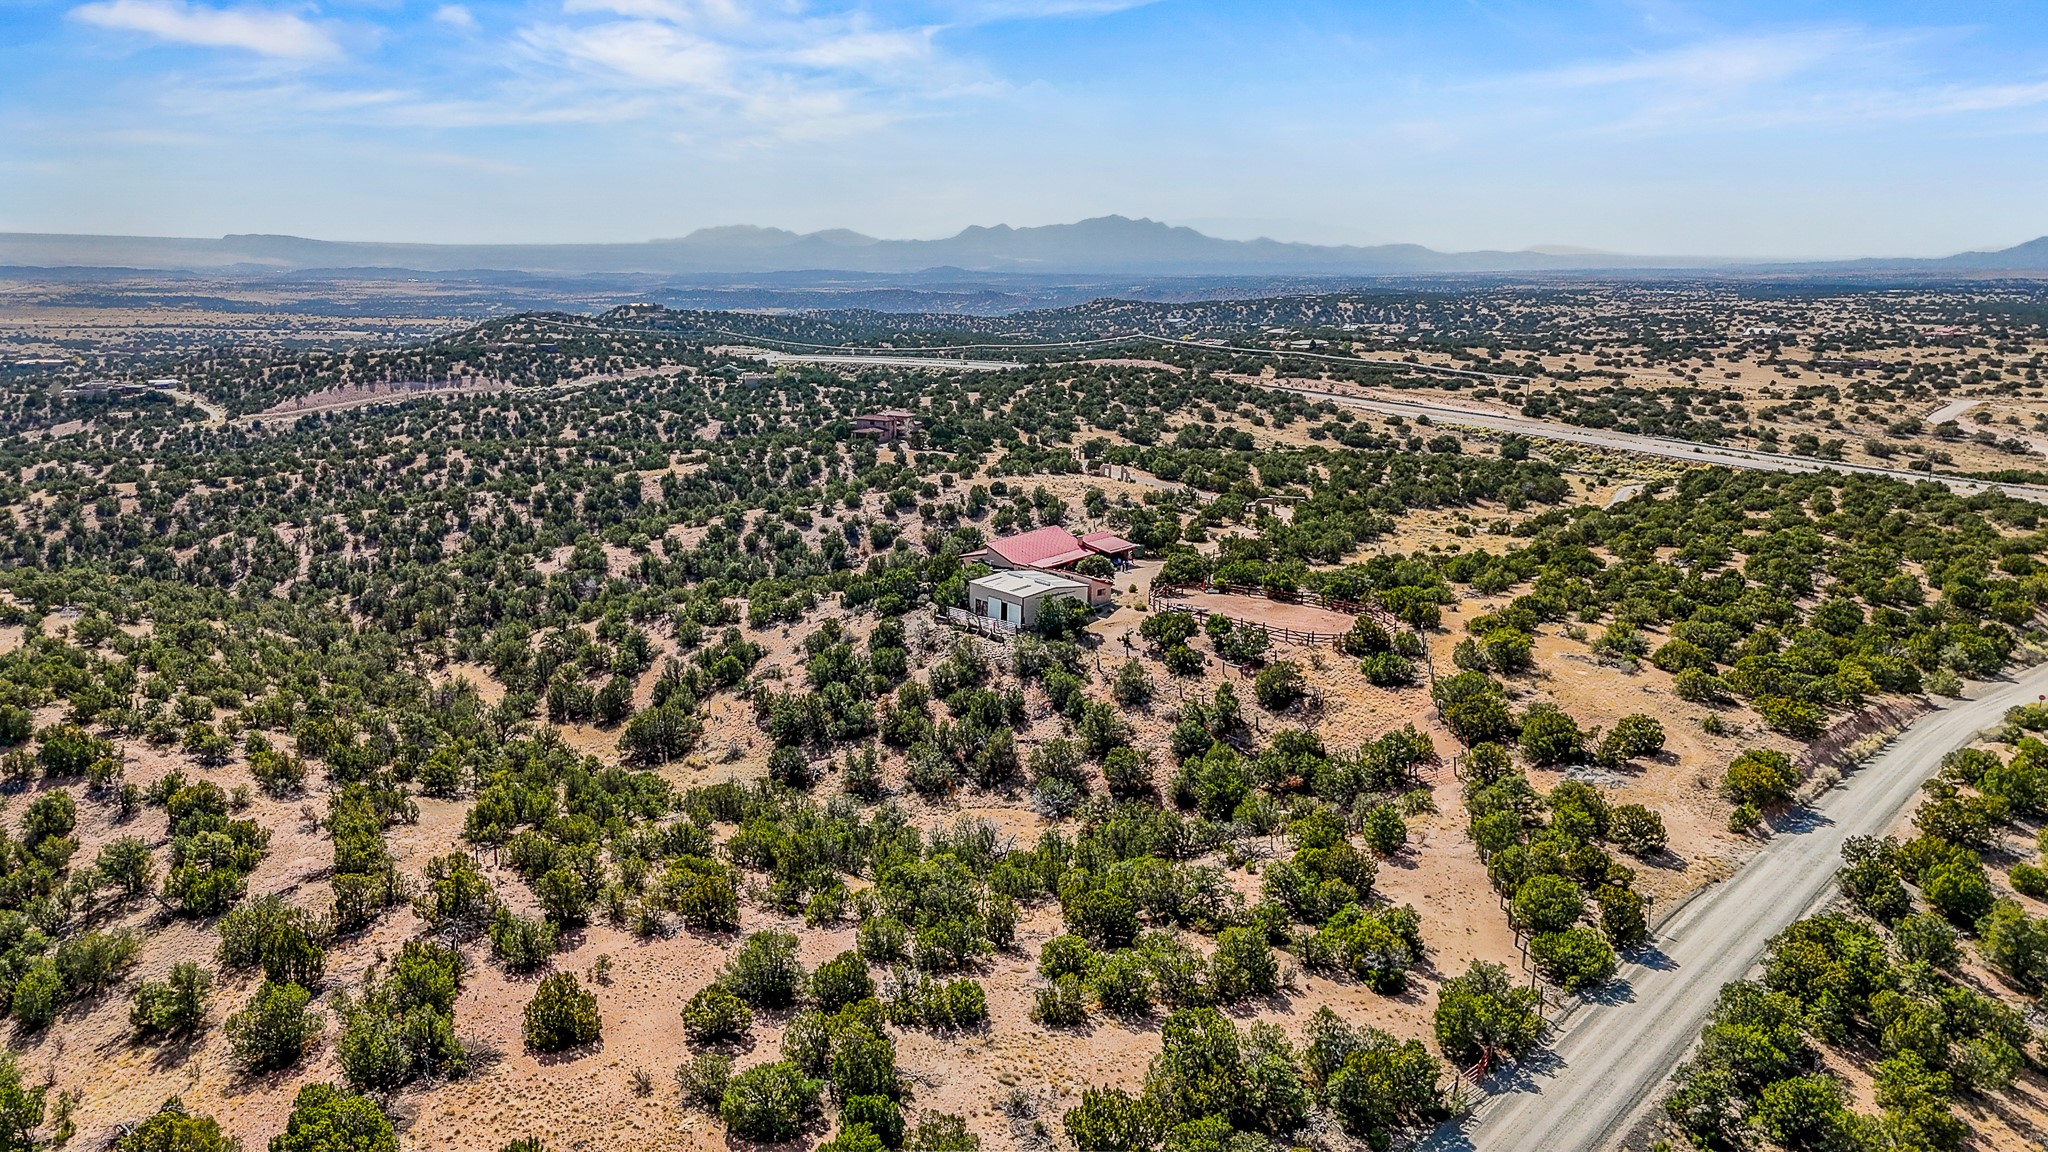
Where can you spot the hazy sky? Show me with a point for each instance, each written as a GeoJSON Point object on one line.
{"type": "Point", "coordinates": [1773, 127]}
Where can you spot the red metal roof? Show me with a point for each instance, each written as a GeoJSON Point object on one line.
{"type": "Point", "coordinates": [1107, 542]}
{"type": "Point", "coordinates": [1044, 547]}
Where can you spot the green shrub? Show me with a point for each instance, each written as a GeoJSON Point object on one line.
{"type": "Point", "coordinates": [1484, 1013]}
{"type": "Point", "coordinates": [1065, 955]}
{"type": "Point", "coordinates": [769, 1103]}
{"type": "Point", "coordinates": [1699, 686]}
{"type": "Point", "coordinates": [1799, 719]}
{"type": "Point", "coordinates": [703, 892]}
{"type": "Point", "coordinates": [1060, 1003]}
{"type": "Point", "coordinates": [1632, 738]}
{"type": "Point", "coordinates": [765, 972]}
{"type": "Point", "coordinates": [1550, 736]}
{"type": "Point", "coordinates": [382, 1050]}
{"type": "Point", "coordinates": [1123, 984]}
{"type": "Point", "coordinates": [1112, 1120]}
{"type": "Point", "coordinates": [1376, 1085]}
{"type": "Point", "coordinates": [2015, 944]}
{"type": "Point", "coordinates": [840, 981]}
{"type": "Point", "coordinates": [918, 1001]}
{"type": "Point", "coordinates": [1376, 945]}
{"type": "Point", "coordinates": [1127, 772]}
{"type": "Point", "coordinates": [1279, 685]}
{"type": "Point", "coordinates": [521, 943]}
{"type": "Point", "coordinates": [1804, 1112]}
{"type": "Point", "coordinates": [2030, 880]}
{"type": "Point", "coordinates": [791, 768]}
{"type": "Point", "coordinates": [1958, 890]}
{"type": "Point", "coordinates": [939, 1132]}
{"type": "Point", "coordinates": [1508, 650]}
{"type": "Point", "coordinates": [1388, 670]}
{"type": "Point", "coordinates": [126, 866]}
{"type": "Point", "coordinates": [879, 1114]}
{"type": "Point", "coordinates": [1131, 686]}
{"type": "Point", "coordinates": [715, 1014]}
{"type": "Point", "coordinates": [1636, 830]}
{"type": "Point", "coordinates": [1677, 656]}
{"type": "Point", "coordinates": [561, 1015]}
{"type": "Point", "coordinates": [966, 1004]}
{"type": "Point", "coordinates": [21, 1106]}
{"type": "Point", "coordinates": [326, 1119]}
{"type": "Point", "coordinates": [863, 1060]}
{"type": "Point", "coordinates": [704, 1078]}
{"type": "Point", "coordinates": [1622, 916]}
{"type": "Point", "coordinates": [1384, 831]}
{"type": "Point", "coordinates": [1243, 966]}
{"type": "Point", "coordinates": [172, 1129]}
{"type": "Point", "coordinates": [285, 941]}
{"type": "Point", "coordinates": [274, 1029]}
{"type": "Point", "coordinates": [1475, 708]}
{"type": "Point", "coordinates": [1546, 903]}
{"type": "Point", "coordinates": [854, 1138]}
{"type": "Point", "coordinates": [1927, 939]}
{"type": "Point", "coordinates": [1621, 641]}
{"type": "Point", "coordinates": [1760, 778]}
{"type": "Point", "coordinates": [175, 1005]}
{"type": "Point", "coordinates": [39, 994]}
{"type": "Point", "coordinates": [94, 961]}
{"type": "Point", "coordinates": [1573, 959]}
{"type": "Point", "coordinates": [882, 940]}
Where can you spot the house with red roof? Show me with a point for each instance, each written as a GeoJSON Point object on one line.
{"type": "Point", "coordinates": [1047, 548]}
{"type": "Point", "coordinates": [1054, 549]}
{"type": "Point", "coordinates": [1110, 544]}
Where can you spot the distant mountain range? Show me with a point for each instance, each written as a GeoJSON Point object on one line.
{"type": "Point", "coordinates": [1107, 245]}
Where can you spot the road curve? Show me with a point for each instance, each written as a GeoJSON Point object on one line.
{"type": "Point", "coordinates": [1686, 450]}
{"type": "Point", "coordinates": [1609, 1058]}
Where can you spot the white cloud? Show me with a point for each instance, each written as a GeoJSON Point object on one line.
{"type": "Point", "coordinates": [768, 70]}
{"type": "Point", "coordinates": [456, 16]}
{"type": "Point", "coordinates": [1719, 64]}
{"type": "Point", "coordinates": [990, 11]}
{"type": "Point", "coordinates": [1834, 76]}
{"type": "Point", "coordinates": [642, 52]}
{"type": "Point", "coordinates": [261, 30]}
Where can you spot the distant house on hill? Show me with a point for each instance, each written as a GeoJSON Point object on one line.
{"type": "Point", "coordinates": [886, 425]}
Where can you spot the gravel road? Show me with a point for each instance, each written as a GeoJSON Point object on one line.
{"type": "Point", "coordinates": [1609, 1058]}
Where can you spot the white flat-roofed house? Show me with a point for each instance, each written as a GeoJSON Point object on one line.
{"type": "Point", "coordinates": [1014, 596]}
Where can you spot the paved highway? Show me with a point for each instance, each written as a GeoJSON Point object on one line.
{"type": "Point", "coordinates": [1608, 1059]}
{"type": "Point", "coordinates": [1685, 450]}
{"type": "Point", "coordinates": [878, 360]}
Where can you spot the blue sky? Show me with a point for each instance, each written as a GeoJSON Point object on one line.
{"type": "Point", "coordinates": [1794, 127]}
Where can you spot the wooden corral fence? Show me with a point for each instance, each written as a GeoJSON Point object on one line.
{"type": "Point", "coordinates": [1165, 602]}
{"type": "Point", "coordinates": [1167, 598]}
